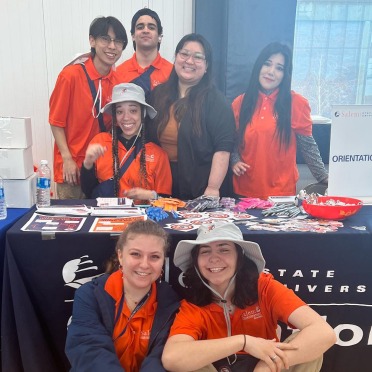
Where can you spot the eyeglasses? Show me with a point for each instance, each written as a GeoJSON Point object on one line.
{"type": "Point", "coordinates": [106, 40]}
{"type": "Point", "coordinates": [186, 54]}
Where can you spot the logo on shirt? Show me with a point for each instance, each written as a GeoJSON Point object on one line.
{"type": "Point", "coordinates": [145, 335]}
{"type": "Point", "coordinates": [252, 314]}
{"type": "Point", "coordinates": [150, 158]}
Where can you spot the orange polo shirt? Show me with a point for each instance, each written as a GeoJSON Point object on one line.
{"type": "Point", "coordinates": [275, 303]}
{"type": "Point", "coordinates": [70, 107]}
{"type": "Point", "coordinates": [273, 169]}
{"type": "Point", "coordinates": [130, 69]}
{"type": "Point", "coordinates": [157, 164]}
{"type": "Point", "coordinates": [131, 348]}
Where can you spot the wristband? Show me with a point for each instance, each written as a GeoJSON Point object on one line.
{"type": "Point", "coordinates": [245, 341]}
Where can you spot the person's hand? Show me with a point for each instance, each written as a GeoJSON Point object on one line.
{"type": "Point", "coordinates": [240, 168]}
{"type": "Point", "coordinates": [268, 351]}
{"type": "Point", "coordinates": [94, 151]}
{"type": "Point", "coordinates": [71, 172]}
{"type": "Point", "coordinates": [137, 193]}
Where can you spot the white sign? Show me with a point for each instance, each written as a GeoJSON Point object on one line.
{"type": "Point", "coordinates": [350, 158]}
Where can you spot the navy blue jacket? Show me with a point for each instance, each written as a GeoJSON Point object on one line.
{"type": "Point", "coordinates": [89, 344]}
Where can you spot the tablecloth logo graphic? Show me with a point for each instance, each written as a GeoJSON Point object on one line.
{"type": "Point", "coordinates": [72, 270]}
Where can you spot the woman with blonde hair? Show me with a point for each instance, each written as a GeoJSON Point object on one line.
{"type": "Point", "coordinates": [121, 320]}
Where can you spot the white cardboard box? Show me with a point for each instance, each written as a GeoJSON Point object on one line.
{"type": "Point", "coordinates": [20, 193]}
{"type": "Point", "coordinates": [15, 133]}
{"type": "Point", "coordinates": [16, 163]}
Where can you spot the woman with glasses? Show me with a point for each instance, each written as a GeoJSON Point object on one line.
{"type": "Point", "coordinates": [271, 119]}
{"type": "Point", "coordinates": [229, 320]}
{"type": "Point", "coordinates": [121, 320]}
{"type": "Point", "coordinates": [82, 89]}
{"type": "Point", "coordinates": [195, 124]}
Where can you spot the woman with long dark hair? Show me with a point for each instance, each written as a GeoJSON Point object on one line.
{"type": "Point", "coordinates": [270, 120]}
{"type": "Point", "coordinates": [195, 124]}
{"type": "Point", "coordinates": [123, 163]}
{"type": "Point", "coordinates": [229, 319]}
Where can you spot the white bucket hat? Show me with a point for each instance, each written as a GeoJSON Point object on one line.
{"type": "Point", "coordinates": [212, 233]}
{"type": "Point", "coordinates": [129, 92]}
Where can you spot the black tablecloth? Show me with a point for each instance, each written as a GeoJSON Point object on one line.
{"type": "Point", "coordinates": [331, 272]}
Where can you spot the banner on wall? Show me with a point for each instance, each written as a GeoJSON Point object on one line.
{"type": "Point", "coordinates": [350, 159]}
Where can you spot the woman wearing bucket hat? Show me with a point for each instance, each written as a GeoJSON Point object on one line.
{"type": "Point", "coordinates": [121, 163]}
{"type": "Point", "coordinates": [231, 314]}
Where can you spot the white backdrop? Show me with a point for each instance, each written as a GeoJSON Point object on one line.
{"type": "Point", "coordinates": [38, 38]}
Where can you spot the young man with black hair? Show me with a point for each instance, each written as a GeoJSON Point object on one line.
{"type": "Point", "coordinates": [81, 90]}
{"type": "Point", "coordinates": [146, 68]}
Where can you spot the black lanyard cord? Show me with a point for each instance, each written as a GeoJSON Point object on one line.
{"type": "Point", "coordinates": [135, 310]}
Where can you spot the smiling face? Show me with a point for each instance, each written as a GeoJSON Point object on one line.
{"type": "Point", "coordinates": [217, 262]}
{"type": "Point", "coordinates": [272, 72]}
{"type": "Point", "coordinates": [190, 70]}
{"type": "Point", "coordinates": [128, 118]}
{"type": "Point", "coordinates": [146, 34]}
{"type": "Point", "coordinates": [142, 259]}
{"type": "Point", "coordinates": [106, 54]}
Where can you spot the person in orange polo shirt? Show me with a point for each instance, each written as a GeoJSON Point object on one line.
{"type": "Point", "coordinates": [270, 120]}
{"type": "Point", "coordinates": [231, 312]}
{"type": "Point", "coordinates": [74, 113]}
{"type": "Point", "coordinates": [146, 67]}
{"type": "Point", "coordinates": [121, 163]}
{"type": "Point", "coordinates": [121, 320]}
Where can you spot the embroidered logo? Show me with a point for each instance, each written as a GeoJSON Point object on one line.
{"type": "Point", "coordinates": [150, 158]}
{"type": "Point", "coordinates": [145, 335]}
{"type": "Point", "coordinates": [252, 314]}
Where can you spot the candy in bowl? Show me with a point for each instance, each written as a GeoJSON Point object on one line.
{"type": "Point", "coordinates": [332, 207]}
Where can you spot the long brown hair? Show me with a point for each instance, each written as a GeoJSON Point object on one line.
{"type": "Point", "coordinates": [167, 94]}
{"type": "Point", "coordinates": [283, 104]}
{"type": "Point", "coordinates": [246, 282]}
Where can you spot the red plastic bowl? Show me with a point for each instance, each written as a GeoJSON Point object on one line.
{"type": "Point", "coordinates": [333, 212]}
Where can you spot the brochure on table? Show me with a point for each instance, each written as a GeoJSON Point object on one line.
{"type": "Point", "coordinates": [350, 159]}
{"type": "Point", "coordinates": [52, 224]}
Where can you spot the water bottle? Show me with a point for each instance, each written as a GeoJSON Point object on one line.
{"type": "Point", "coordinates": [3, 212]}
{"type": "Point", "coordinates": [43, 185]}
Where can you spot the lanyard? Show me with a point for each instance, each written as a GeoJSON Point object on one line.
{"type": "Point", "coordinates": [135, 310]}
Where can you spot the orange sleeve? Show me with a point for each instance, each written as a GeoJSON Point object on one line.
{"type": "Point", "coordinates": [236, 105]}
{"type": "Point", "coordinates": [188, 322]}
{"type": "Point", "coordinates": [278, 301]}
{"type": "Point", "coordinates": [59, 103]}
{"type": "Point", "coordinates": [301, 118]}
{"type": "Point", "coordinates": [163, 177]}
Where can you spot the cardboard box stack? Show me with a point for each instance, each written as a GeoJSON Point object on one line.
{"type": "Point", "coordinates": [16, 164]}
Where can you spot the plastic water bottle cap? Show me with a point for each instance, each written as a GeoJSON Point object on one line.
{"type": "Point", "coordinates": [44, 162]}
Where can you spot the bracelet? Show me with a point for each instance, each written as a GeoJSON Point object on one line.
{"type": "Point", "coordinates": [245, 341]}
